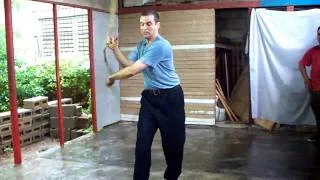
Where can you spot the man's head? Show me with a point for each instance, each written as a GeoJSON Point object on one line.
{"type": "Point", "coordinates": [318, 34]}
{"type": "Point", "coordinates": [149, 24]}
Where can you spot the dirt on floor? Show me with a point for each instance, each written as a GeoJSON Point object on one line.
{"type": "Point", "coordinates": [28, 152]}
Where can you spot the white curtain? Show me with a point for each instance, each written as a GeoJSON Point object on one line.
{"type": "Point", "coordinates": [278, 40]}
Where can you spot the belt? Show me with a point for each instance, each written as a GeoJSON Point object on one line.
{"type": "Point", "coordinates": [156, 92]}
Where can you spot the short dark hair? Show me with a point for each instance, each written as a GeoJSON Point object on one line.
{"type": "Point", "coordinates": [318, 28]}
{"type": "Point", "coordinates": [152, 12]}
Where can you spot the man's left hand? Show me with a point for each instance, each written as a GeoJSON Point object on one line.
{"type": "Point", "coordinates": [109, 82]}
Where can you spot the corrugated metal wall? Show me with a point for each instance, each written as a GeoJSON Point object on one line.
{"type": "Point", "coordinates": [192, 35]}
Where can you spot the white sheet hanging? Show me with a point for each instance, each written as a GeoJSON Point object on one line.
{"type": "Point", "coordinates": [278, 40]}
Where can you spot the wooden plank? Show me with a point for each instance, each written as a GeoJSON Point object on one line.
{"type": "Point", "coordinates": [189, 85]}
{"type": "Point", "coordinates": [139, 83]}
{"type": "Point", "coordinates": [208, 60]}
{"type": "Point", "coordinates": [266, 124]}
{"type": "Point", "coordinates": [184, 83]}
{"type": "Point", "coordinates": [175, 39]}
{"type": "Point", "coordinates": [188, 114]}
{"type": "Point", "coordinates": [192, 28]}
{"type": "Point", "coordinates": [190, 21]}
{"type": "Point", "coordinates": [186, 89]}
{"type": "Point", "coordinates": [181, 76]}
{"type": "Point", "coordinates": [189, 95]}
{"type": "Point", "coordinates": [188, 106]}
{"type": "Point", "coordinates": [186, 75]}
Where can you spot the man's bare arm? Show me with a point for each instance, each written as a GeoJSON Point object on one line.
{"type": "Point", "coordinates": [121, 58]}
{"type": "Point", "coordinates": [113, 44]}
{"type": "Point", "coordinates": [126, 72]}
{"type": "Point", "coordinates": [305, 76]}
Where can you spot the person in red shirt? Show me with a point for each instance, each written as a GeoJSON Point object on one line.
{"type": "Point", "coordinates": [312, 83]}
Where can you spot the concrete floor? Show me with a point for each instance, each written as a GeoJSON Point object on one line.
{"type": "Point", "coordinates": [210, 153]}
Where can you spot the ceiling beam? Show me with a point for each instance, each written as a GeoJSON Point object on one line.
{"type": "Point", "coordinates": [199, 5]}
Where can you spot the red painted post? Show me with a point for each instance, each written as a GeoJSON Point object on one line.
{"type": "Point", "coordinates": [56, 48]}
{"type": "Point", "coordinates": [12, 84]}
{"type": "Point", "coordinates": [92, 72]}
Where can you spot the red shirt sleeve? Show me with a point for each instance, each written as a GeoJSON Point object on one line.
{"type": "Point", "coordinates": [306, 59]}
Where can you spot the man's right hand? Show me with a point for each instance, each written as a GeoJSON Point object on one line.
{"type": "Point", "coordinates": [112, 42]}
{"type": "Point", "coordinates": [307, 84]}
{"type": "Point", "coordinates": [109, 81]}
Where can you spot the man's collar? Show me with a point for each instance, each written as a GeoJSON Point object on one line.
{"type": "Point", "coordinates": [145, 42]}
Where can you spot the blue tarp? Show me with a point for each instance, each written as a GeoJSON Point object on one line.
{"type": "Point", "coordinates": [288, 2]}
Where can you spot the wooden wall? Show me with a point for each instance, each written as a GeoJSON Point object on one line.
{"type": "Point", "coordinates": [192, 35]}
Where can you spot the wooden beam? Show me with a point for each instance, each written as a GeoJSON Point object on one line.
{"type": "Point", "coordinates": [202, 5]}
{"type": "Point", "coordinates": [266, 124]}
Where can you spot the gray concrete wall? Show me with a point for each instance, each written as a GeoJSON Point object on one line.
{"type": "Point", "coordinates": [107, 99]}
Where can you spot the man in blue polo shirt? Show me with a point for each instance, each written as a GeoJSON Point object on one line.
{"type": "Point", "coordinates": [162, 101]}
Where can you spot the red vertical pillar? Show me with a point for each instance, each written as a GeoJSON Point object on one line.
{"type": "Point", "coordinates": [56, 48]}
{"type": "Point", "coordinates": [12, 83]}
{"type": "Point", "coordinates": [92, 72]}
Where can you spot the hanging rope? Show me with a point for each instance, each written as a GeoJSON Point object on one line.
{"type": "Point", "coordinates": [108, 65]}
{"type": "Point", "coordinates": [111, 32]}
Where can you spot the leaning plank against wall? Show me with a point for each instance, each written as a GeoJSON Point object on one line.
{"type": "Point", "coordinates": [192, 35]}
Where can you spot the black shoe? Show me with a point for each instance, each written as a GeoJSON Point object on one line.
{"type": "Point", "coordinates": [312, 139]}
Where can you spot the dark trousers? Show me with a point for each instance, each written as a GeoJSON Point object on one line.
{"type": "Point", "coordinates": [315, 105]}
{"type": "Point", "coordinates": [163, 110]}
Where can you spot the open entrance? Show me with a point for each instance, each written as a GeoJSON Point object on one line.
{"type": "Point", "coordinates": [232, 26]}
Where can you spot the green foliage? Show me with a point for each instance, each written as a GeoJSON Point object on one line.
{"type": "Point", "coordinates": [41, 79]}
{"type": "Point", "coordinates": [89, 103]}
{"type": "Point", "coordinates": [74, 80]}
{"type": "Point", "coordinates": [4, 97]}
{"type": "Point", "coordinates": [8, 150]}
{"type": "Point", "coordinates": [28, 84]}
{"type": "Point", "coordinates": [89, 129]}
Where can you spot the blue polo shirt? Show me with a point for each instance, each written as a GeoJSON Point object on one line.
{"type": "Point", "coordinates": [160, 73]}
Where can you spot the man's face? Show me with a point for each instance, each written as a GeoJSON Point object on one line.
{"type": "Point", "coordinates": [318, 36]}
{"type": "Point", "coordinates": [148, 27]}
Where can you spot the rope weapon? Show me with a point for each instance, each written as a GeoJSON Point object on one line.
{"type": "Point", "coordinates": [106, 60]}
{"type": "Point", "coordinates": [112, 11]}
